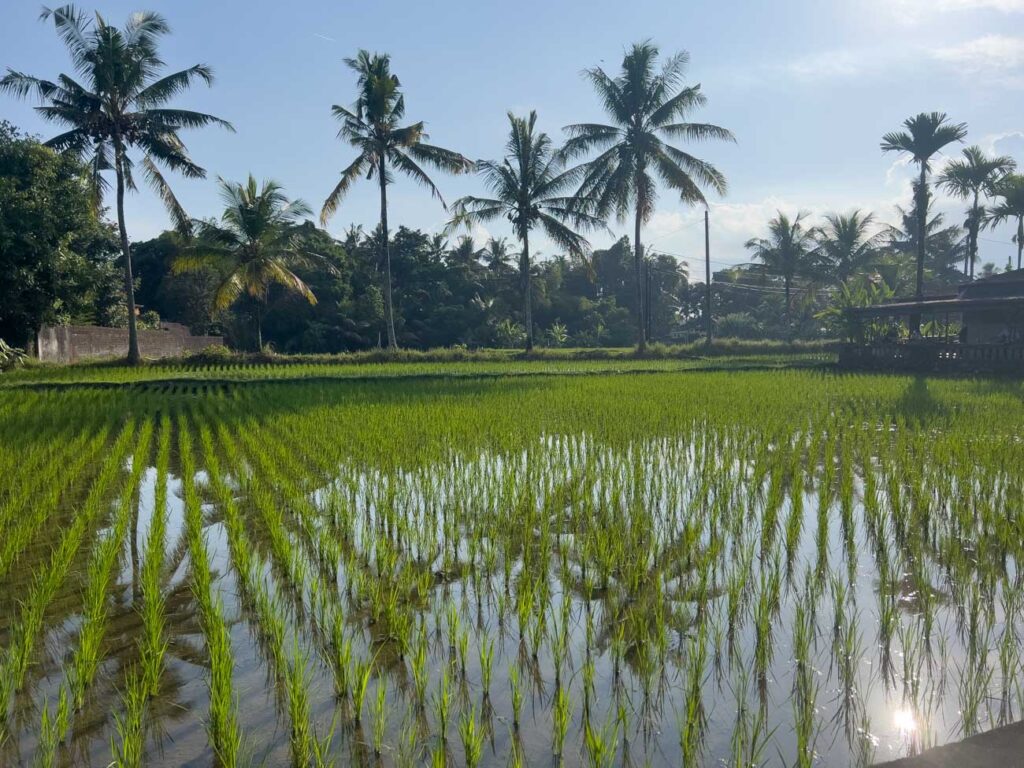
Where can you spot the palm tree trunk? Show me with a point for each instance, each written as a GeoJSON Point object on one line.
{"type": "Point", "coordinates": [788, 285]}
{"type": "Point", "coordinates": [129, 282]}
{"type": "Point", "coordinates": [641, 338]}
{"type": "Point", "coordinates": [972, 237]}
{"type": "Point", "coordinates": [922, 225]}
{"type": "Point", "coordinates": [259, 327]}
{"type": "Point", "coordinates": [524, 274]}
{"type": "Point", "coordinates": [386, 258]}
{"type": "Point", "coordinates": [1020, 239]}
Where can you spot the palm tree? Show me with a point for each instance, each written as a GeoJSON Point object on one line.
{"type": "Point", "coordinates": [121, 107]}
{"type": "Point", "coordinates": [528, 189]}
{"type": "Point", "coordinates": [1010, 191]}
{"type": "Point", "coordinates": [970, 178]}
{"type": "Point", "coordinates": [372, 127]}
{"type": "Point", "coordinates": [845, 243]}
{"type": "Point", "coordinates": [647, 108]}
{"type": "Point", "coordinates": [497, 253]}
{"type": "Point", "coordinates": [925, 134]}
{"type": "Point", "coordinates": [945, 246]}
{"type": "Point", "coordinates": [254, 245]}
{"type": "Point", "coordinates": [788, 251]}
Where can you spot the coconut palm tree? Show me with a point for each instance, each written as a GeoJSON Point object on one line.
{"type": "Point", "coordinates": [788, 251]}
{"type": "Point", "coordinates": [924, 135]}
{"type": "Point", "coordinates": [497, 253]}
{"type": "Point", "coordinates": [373, 127]}
{"type": "Point", "coordinates": [254, 245]}
{"type": "Point", "coordinates": [971, 178]}
{"type": "Point", "coordinates": [647, 108]}
{"type": "Point", "coordinates": [119, 106]}
{"type": "Point", "coordinates": [529, 189]}
{"type": "Point", "coordinates": [846, 243]}
{"type": "Point", "coordinates": [1010, 193]}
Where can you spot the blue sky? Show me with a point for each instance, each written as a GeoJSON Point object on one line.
{"type": "Point", "coordinates": [807, 86]}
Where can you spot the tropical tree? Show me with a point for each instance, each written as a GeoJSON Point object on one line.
{"type": "Point", "coordinates": [846, 243]}
{"type": "Point", "coordinates": [497, 253]}
{"type": "Point", "coordinates": [119, 106]}
{"type": "Point", "coordinates": [647, 108]}
{"type": "Point", "coordinates": [923, 136]}
{"type": "Point", "coordinates": [255, 245]}
{"type": "Point", "coordinates": [972, 177]}
{"type": "Point", "coordinates": [1010, 192]}
{"type": "Point", "coordinates": [529, 189]}
{"type": "Point", "coordinates": [788, 251]}
{"type": "Point", "coordinates": [373, 127]}
{"type": "Point", "coordinates": [945, 246]}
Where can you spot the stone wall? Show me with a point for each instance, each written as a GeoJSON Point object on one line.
{"type": "Point", "coordinates": [71, 343]}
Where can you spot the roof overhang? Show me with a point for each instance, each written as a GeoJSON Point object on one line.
{"type": "Point", "coordinates": [940, 304]}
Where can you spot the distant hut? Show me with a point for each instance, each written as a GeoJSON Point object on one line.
{"type": "Point", "coordinates": [979, 328]}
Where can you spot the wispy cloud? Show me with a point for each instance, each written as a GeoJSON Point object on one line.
{"type": "Point", "coordinates": [917, 11]}
{"type": "Point", "coordinates": [997, 55]}
{"type": "Point", "coordinates": [992, 60]}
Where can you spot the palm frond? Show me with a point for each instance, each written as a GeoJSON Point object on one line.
{"type": "Point", "coordinates": [179, 218]}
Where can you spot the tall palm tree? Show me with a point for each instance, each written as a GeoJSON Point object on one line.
{"type": "Point", "coordinates": [788, 251]}
{"type": "Point", "coordinates": [1010, 191]}
{"type": "Point", "coordinates": [846, 243]}
{"type": "Point", "coordinates": [647, 108]}
{"type": "Point", "coordinates": [254, 245]}
{"type": "Point", "coordinates": [529, 189]}
{"type": "Point", "coordinates": [924, 135]}
{"type": "Point", "coordinates": [373, 127]}
{"type": "Point", "coordinates": [970, 178]}
{"type": "Point", "coordinates": [119, 106]}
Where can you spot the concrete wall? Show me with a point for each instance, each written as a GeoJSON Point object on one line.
{"type": "Point", "coordinates": [70, 343]}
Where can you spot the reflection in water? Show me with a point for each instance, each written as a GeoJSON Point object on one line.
{"type": "Point", "coordinates": [675, 600]}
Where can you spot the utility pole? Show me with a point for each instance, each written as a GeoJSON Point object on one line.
{"type": "Point", "coordinates": [707, 275]}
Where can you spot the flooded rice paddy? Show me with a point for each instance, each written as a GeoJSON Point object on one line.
{"type": "Point", "coordinates": [787, 568]}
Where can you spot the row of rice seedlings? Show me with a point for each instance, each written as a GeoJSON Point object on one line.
{"type": "Point", "coordinates": [102, 571]}
{"type": "Point", "coordinates": [222, 725]}
{"type": "Point", "coordinates": [52, 574]}
{"type": "Point", "coordinates": [142, 682]}
{"type": "Point", "coordinates": [307, 748]}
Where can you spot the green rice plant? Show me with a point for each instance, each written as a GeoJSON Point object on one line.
{"type": "Point", "coordinates": [443, 705]}
{"type": "Point", "coordinates": [472, 738]}
{"type": "Point", "coordinates": [52, 730]}
{"type": "Point", "coordinates": [600, 745]}
{"type": "Point", "coordinates": [420, 673]}
{"type": "Point", "coordinates": [360, 675]}
{"type": "Point", "coordinates": [516, 695]}
{"type": "Point", "coordinates": [301, 738]}
{"type": "Point", "coordinates": [128, 747]}
{"type": "Point", "coordinates": [380, 717]}
{"type": "Point", "coordinates": [560, 719]}
{"type": "Point", "coordinates": [486, 663]}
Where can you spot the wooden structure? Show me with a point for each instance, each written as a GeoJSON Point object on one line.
{"type": "Point", "coordinates": [979, 328]}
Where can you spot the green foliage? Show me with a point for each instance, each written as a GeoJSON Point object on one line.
{"type": "Point", "coordinates": [57, 258]}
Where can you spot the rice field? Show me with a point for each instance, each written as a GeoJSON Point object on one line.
{"type": "Point", "coordinates": [784, 568]}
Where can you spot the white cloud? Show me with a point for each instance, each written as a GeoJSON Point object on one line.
{"type": "Point", "coordinates": [989, 55]}
{"type": "Point", "coordinates": [917, 11]}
